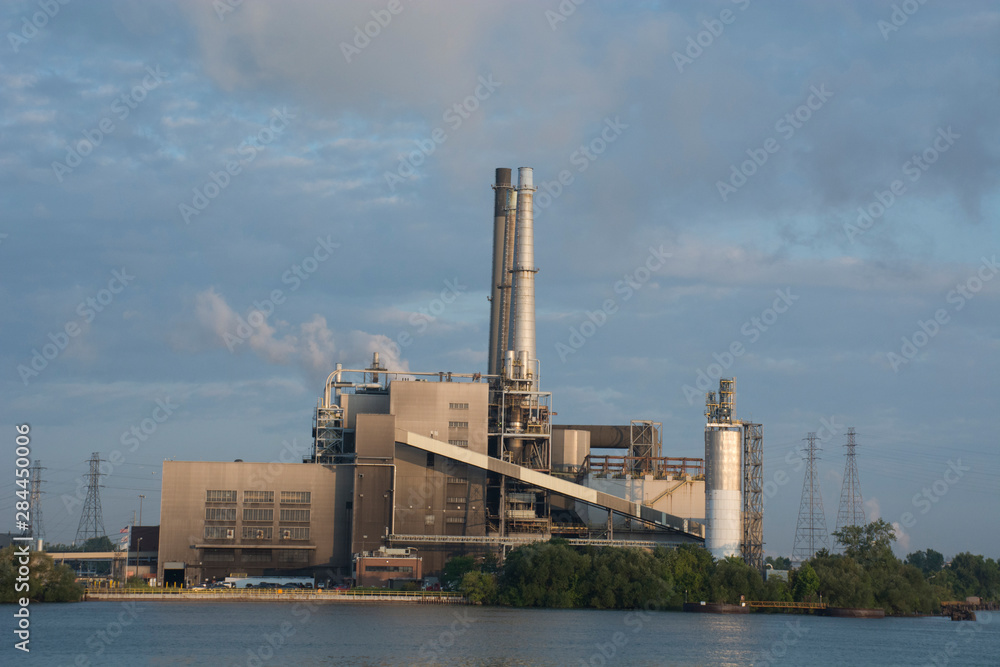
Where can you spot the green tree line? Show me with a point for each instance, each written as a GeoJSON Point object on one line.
{"type": "Point", "coordinates": [47, 582]}
{"type": "Point", "coordinates": [866, 575]}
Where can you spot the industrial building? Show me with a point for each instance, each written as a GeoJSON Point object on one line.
{"type": "Point", "coordinates": [433, 465]}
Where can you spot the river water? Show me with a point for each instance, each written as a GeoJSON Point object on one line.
{"type": "Point", "coordinates": [375, 634]}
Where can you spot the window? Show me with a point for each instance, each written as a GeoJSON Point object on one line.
{"type": "Point", "coordinates": [404, 569]}
{"type": "Point", "coordinates": [218, 533]}
{"type": "Point", "coordinates": [296, 497]}
{"type": "Point", "coordinates": [455, 519]}
{"type": "Point", "coordinates": [220, 514]}
{"type": "Point", "coordinates": [458, 424]}
{"type": "Point", "coordinates": [457, 480]}
{"type": "Point", "coordinates": [293, 556]}
{"type": "Point", "coordinates": [456, 499]}
{"type": "Point", "coordinates": [257, 514]}
{"type": "Point", "coordinates": [220, 496]}
{"type": "Point", "coordinates": [294, 515]}
{"type": "Point", "coordinates": [295, 533]}
{"type": "Point", "coordinates": [257, 532]}
{"type": "Point", "coordinates": [258, 496]}
{"type": "Point", "coordinates": [219, 556]}
{"type": "Point", "coordinates": [257, 556]}
{"type": "Point", "coordinates": [459, 443]}
{"type": "Point", "coordinates": [458, 406]}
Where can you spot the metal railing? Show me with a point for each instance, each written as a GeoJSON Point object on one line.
{"type": "Point", "coordinates": [262, 592]}
{"type": "Point", "coordinates": [771, 604]}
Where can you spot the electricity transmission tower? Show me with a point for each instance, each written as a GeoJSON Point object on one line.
{"type": "Point", "coordinates": [92, 518]}
{"type": "Point", "coordinates": [810, 529]}
{"type": "Point", "coordinates": [851, 511]}
{"type": "Point", "coordinates": [37, 531]}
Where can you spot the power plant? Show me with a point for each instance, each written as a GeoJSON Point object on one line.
{"type": "Point", "coordinates": [411, 465]}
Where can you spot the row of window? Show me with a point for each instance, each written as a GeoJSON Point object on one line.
{"type": "Point", "coordinates": [458, 406]}
{"type": "Point", "coordinates": [288, 497]}
{"type": "Point", "coordinates": [459, 443]}
{"type": "Point", "coordinates": [389, 568]}
{"type": "Point", "coordinates": [256, 556]}
{"type": "Point", "coordinates": [255, 533]}
{"type": "Point", "coordinates": [255, 514]}
{"type": "Point", "coordinates": [458, 424]}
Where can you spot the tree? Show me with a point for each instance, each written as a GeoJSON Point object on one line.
{"type": "Point", "coordinates": [843, 581]}
{"type": "Point", "coordinates": [691, 567]}
{"type": "Point", "coordinates": [928, 562]}
{"type": "Point", "coordinates": [479, 587]}
{"type": "Point", "coordinates": [779, 562]}
{"type": "Point", "coordinates": [47, 581]}
{"type": "Point", "coordinates": [733, 578]}
{"type": "Point", "coordinates": [974, 575]}
{"type": "Point", "coordinates": [869, 545]}
{"type": "Point", "coordinates": [455, 570]}
{"type": "Point", "coordinates": [806, 584]}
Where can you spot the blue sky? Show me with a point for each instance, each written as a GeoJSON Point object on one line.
{"type": "Point", "coordinates": [270, 161]}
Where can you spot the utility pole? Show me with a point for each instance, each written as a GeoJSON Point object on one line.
{"type": "Point", "coordinates": [37, 532]}
{"type": "Point", "coordinates": [141, 496]}
{"type": "Point", "coordinates": [92, 518]}
{"type": "Point", "coordinates": [810, 529]}
{"type": "Point", "coordinates": [852, 510]}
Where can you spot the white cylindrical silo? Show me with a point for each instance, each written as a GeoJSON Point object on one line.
{"type": "Point", "coordinates": [723, 502]}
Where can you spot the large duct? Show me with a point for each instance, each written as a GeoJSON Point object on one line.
{"type": "Point", "coordinates": [498, 342]}
{"type": "Point", "coordinates": [524, 275]}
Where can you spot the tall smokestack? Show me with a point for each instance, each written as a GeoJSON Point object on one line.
{"type": "Point", "coordinates": [524, 274]}
{"type": "Point", "coordinates": [498, 342]}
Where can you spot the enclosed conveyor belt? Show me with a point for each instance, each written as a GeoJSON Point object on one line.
{"type": "Point", "coordinates": [557, 485]}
